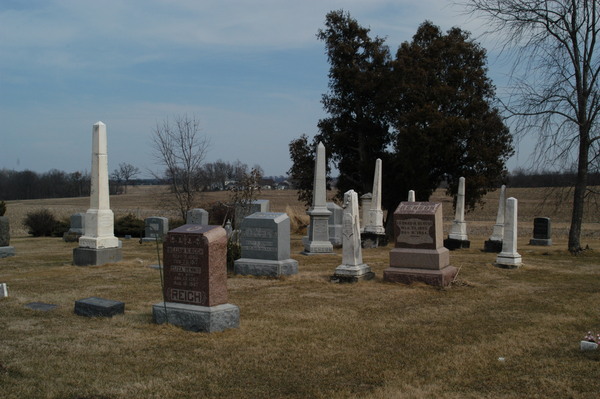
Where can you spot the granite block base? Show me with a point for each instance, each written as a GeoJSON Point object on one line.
{"type": "Point", "coordinates": [318, 248]}
{"type": "Point", "coordinates": [431, 259]}
{"type": "Point", "coordinates": [373, 240]}
{"type": "Point", "coordinates": [453, 243]}
{"type": "Point", "coordinates": [98, 307]}
{"type": "Point", "coordinates": [5, 252]}
{"type": "Point", "coordinates": [541, 242]}
{"type": "Point", "coordinates": [197, 318]}
{"type": "Point", "coordinates": [96, 257]}
{"type": "Point", "coordinates": [439, 278]}
{"type": "Point", "coordinates": [352, 274]}
{"type": "Point", "coordinates": [268, 268]}
{"type": "Point", "coordinates": [492, 246]}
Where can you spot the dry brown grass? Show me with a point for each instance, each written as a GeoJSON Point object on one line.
{"type": "Point", "coordinates": [301, 336]}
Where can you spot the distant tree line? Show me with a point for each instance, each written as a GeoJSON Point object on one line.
{"type": "Point", "coordinates": [26, 184]}
{"type": "Point", "coordinates": [522, 178]}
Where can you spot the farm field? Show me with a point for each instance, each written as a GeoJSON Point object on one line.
{"type": "Point", "coordinates": [494, 333]}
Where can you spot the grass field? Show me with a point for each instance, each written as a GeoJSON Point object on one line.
{"type": "Point", "coordinates": [302, 336]}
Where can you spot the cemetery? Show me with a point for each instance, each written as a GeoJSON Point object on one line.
{"type": "Point", "coordinates": [492, 331]}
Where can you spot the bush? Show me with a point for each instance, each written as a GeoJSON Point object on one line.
{"type": "Point", "coordinates": [2, 208]}
{"type": "Point", "coordinates": [219, 213]}
{"type": "Point", "coordinates": [175, 223]}
{"type": "Point", "coordinates": [129, 225]}
{"type": "Point", "coordinates": [41, 223]}
{"type": "Point", "coordinates": [234, 252]}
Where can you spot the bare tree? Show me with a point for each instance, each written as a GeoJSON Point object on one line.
{"type": "Point", "coordinates": [181, 149]}
{"type": "Point", "coordinates": [557, 95]}
{"type": "Point", "coordinates": [124, 174]}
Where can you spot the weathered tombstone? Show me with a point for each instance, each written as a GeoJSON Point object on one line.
{"type": "Point", "coordinates": [195, 280]}
{"type": "Point", "coordinates": [228, 229]}
{"type": "Point", "coordinates": [265, 242]}
{"type": "Point", "coordinates": [196, 216]}
{"type": "Point", "coordinates": [317, 242]}
{"type": "Point", "coordinates": [98, 245]}
{"type": "Point", "coordinates": [509, 257]}
{"type": "Point", "coordinates": [374, 233]}
{"type": "Point", "coordinates": [542, 232]}
{"type": "Point", "coordinates": [458, 232]}
{"type": "Point", "coordinates": [352, 268]}
{"type": "Point", "coordinates": [241, 211]}
{"type": "Point", "coordinates": [3, 290]}
{"type": "Point", "coordinates": [98, 307]}
{"type": "Point", "coordinates": [365, 206]}
{"type": "Point", "coordinates": [411, 195]}
{"type": "Point", "coordinates": [419, 254]}
{"type": "Point", "coordinates": [77, 228]}
{"type": "Point", "coordinates": [155, 228]}
{"type": "Point", "coordinates": [335, 224]}
{"type": "Point", "coordinates": [5, 249]}
{"type": "Point", "coordinates": [494, 244]}
{"type": "Point", "coordinates": [41, 306]}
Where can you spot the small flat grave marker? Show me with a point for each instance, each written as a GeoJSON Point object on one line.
{"type": "Point", "coordinates": [41, 306]}
{"type": "Point", "coordinates": [98, 307]}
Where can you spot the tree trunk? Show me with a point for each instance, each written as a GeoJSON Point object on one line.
{"type": "Point", "coordinates": [579, 194]}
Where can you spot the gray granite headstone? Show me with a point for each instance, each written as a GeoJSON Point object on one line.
{"type": "Point", "coordinates": [98, 307]}
{"type": "Point", "coordinates": [242, 212]}
{"type": "Point", "coordinates": [265, 242]}
{"type": "Point", "coordinates": [5, 249]}
{"type": "Point", "coordinates": [196, 216]}
{"type": "Point", "coordinates": [542, 232]}
{"type": "Point", "coordinates": [77, 228]}
{"type": "Point", "coordinates": [41, 306]}
{"type": "Point", "coordinates": [155, 227]}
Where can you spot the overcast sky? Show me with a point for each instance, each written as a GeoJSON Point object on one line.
{"type": "Point", "coordinates": [252, 72]}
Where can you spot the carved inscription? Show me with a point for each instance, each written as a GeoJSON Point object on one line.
{"type": "Point", "coordinates": [414, 231]}
{"type": "Point", "coordinates": [259, 239]}
{"type": "Point", "coordinates": [184, 269]}
{"type": "Point", "coordinates": [417, 208]}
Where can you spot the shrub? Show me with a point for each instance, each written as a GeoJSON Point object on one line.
{"type": "Point", "coordinates": [129, 225]}
{"type": "Point", "coordinates": [234, 252]}
{"type": "Point", "coordinates": [2, 208]}
{"type": "Point", "coordinates": [218, 213]}
{"type": "Point", "coordinates": [60, 228]}
{"type": "Point", "coordinates": [175, 223]}
{"type": "Point", "coordinates": [40, 223]}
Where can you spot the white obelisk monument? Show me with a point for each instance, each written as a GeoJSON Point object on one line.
{"type": "Point", "coordinates": [458, 232]}
{"type": "Point", "coordinates": [317, 242]}
{"type": "Point", "coordinates": [494, 244]}
{"type": "Point", "coordinates": [98, 244]}
{"type": "Point", "coordinates": [375, 223]}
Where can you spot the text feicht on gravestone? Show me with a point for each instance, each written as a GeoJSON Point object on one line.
{"type": "Point", "coordinates": [265, 242]}
{"type": "Point", "coordinates": [419, 253]}
{"type": "Point", "coordinates": [542, 232]}
{"type": "Point", "coordinates": [195, 280]}
{"type": "Point", "coordinates": [155, 228]}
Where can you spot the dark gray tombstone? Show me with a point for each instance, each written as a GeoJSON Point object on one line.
{"type": "Point", "coordinates": [155, 228]}
{"type": "Point", "coordinates": [41, 306]}
{"type": "Point", "coordinates": [542, 232]}
{"type": "Point", "coordinates": [265, 241]}
{"type": "Point", "coordinates": [196, 216]}
{"type": "Point", "coordinates": [98, 307]}
{"type": "Point", "coordinates": [77, 228]}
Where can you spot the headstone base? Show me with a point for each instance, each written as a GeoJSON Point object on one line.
{"type": "Point", "coordinates": [373, 240]}
{"type": "Point", "coordinates": [430, 259]}
{"type": "Point", "coordinates": [5, 252]}
{"type": "Point", "coordinates": [149, 239]}
{"type": "Point", "coordinates": [71, 237]}
{"type": "Point", "coordinates": [262, 267]}
{"type": "Point", "coordinates": [453, 243]}
{"type": "Point", "coordinates": [96, 257]}
{"type": "Point", "coordinates": [508, 260]}
{"type": "Point", "coordinates": [352, 274]}
{"type": "Point", "coordinates": [317, 247]}
{"type": "Point", "coordinates": [98, 307]}
{"type": "Point", "coordinates": [343, 278]}
{"type": "Point", "coordinates": [439, 278]}
{"type": "Point", "coordinates": [541, 242]}
{"type": "Point", "coordinates": [197, 318]}
{"type": "Point", "coordinates": [492, 246]}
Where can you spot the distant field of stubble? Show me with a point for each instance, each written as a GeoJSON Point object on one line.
{"type": "Point", "coordinates": [495, 333]}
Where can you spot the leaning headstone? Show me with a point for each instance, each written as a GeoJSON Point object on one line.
{"type": "Point", "coordinates": [265, 242]}
{"type": "Point", "coordinates": [494, 244]}
{"type": "Point", "coordinates": [542, 232]}
{"type": "Point", "coordinates": [365, 206]}
{"type": "Point", "coordinates": [335, 224]}
{"type": "Point", "coordinates": [195, 280]}
{"type": "Point", "coordinates": [317, 242]}
{"type": "Point", "coordinates": [155, 228]}
{"type": "Point", "coordinates": [373, 234]}
{"type": "Point", "coordinates": [77, 228]}
{"type": "Point", "coordinates": [411, 196]}
{"type": "Point", "coordinates": [5, 249]}
{"type": "Point", "coordinates": [196, 216]}
{"type": "Point", "coordinates": [241, 211]}
{"type": "Point", "coordinates": [352, 268]}
{"type": "Point", "coordinates": [98, 245]}
{"type": "Point", "coordinates": [98, 307]}
{"type": "Point", "coordinates": [458, 232]}
{"type": "Point", "coordinates": [419, 254]}
{"type": "Point", "coordinates": [3, 290]}
{"type": "Point", "coordinates": [509, 257]}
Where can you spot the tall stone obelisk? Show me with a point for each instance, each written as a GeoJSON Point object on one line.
{"type": "Point", "coordinates": [458, 232]}
{"type": "Point", "coordinates": [317, 242]}
{"type": "Point", "coordinates": [98, 244]}
{"type": "Point", "coordinates": [509, 257]}
{"type": "Point", "coordinates": [494, 244]}
{"type": "Point", "coordinates": [375, 223]}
